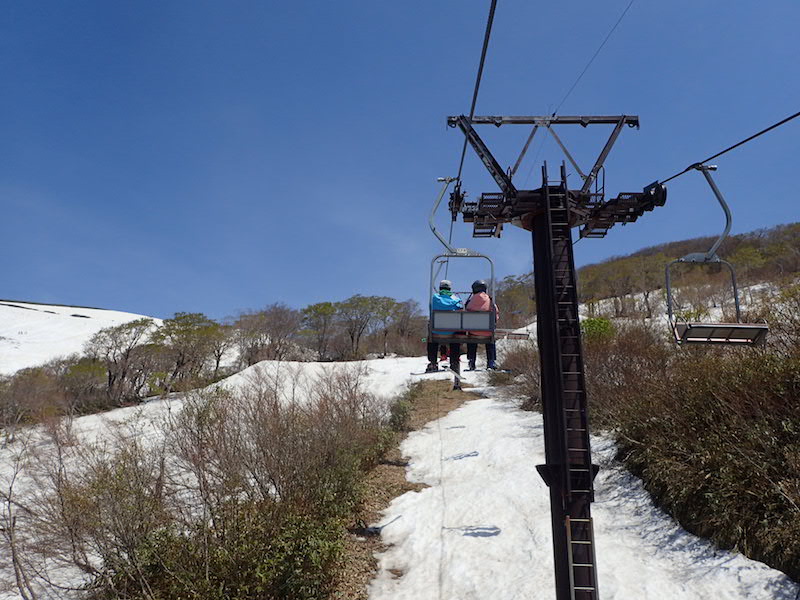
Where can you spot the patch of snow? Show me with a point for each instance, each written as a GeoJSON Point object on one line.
{"type": "Point", "coordinates": [33, 334]}
{"type": "Point", "coordinates": [482, 529]}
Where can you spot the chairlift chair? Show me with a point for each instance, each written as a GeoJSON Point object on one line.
{"type": "Point", "coordinates": [452, 326]}
{"type": "Point", "coordinates": [693, 332]}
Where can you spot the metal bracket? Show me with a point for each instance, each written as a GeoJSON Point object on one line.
{"type": "Point", "coordinates": [503, 180]}
{"type": "Point", "coordinates": [485, 155]}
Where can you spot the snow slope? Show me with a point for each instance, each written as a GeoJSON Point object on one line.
{"type": "Point", "coordinates": [482, 528]}
{"type": "Point", "coordinates": [32, 334]}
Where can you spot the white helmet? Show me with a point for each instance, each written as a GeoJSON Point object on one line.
{"type": "Point", "coordinates": [445, 284]}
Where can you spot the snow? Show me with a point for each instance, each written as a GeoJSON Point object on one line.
{"type": "Point", "coordinates": [33, 334]}
{"type": "Point", "coordinates": [482, 527]}
{"type": "Point", "coordinates": [385, 378]}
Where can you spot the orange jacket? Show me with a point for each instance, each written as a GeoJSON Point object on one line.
{"type": "Point", "coordinates": [482, 301]}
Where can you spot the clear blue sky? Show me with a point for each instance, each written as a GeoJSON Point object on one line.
{"type": "Point", "coordinates": [216, 156]}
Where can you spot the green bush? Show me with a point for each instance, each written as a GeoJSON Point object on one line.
{"type": "Point", "coordinates": [399, 413]}
{"type": "Point", "coordinates": [597, 329]}
{"type": "Point", "coordinates": [266, 552]}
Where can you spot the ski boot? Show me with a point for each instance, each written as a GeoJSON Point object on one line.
{"type": "Point", "coordinates": [491, 366]}
{"type": "Point", "coordinates": [471, 366]}
{"type": "Point", "coordinates": [432, 368]}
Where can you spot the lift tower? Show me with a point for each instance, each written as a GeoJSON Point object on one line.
{"type": "Point", "coordinates": [550, 212]}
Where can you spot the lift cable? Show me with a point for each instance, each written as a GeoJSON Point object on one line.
{"type": "Point", "coordinates": [728, 149]}
{"type": "Point", "coordinates": [489, 22]}
{"type": "Point", "coordinates": [580, 76]}
{"type": "Point", "coordinates": [591, 60]}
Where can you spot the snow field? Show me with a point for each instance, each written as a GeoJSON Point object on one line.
{"type": "Point", "coordinates": [33, 334]}
{"type": "Point", "coordinates": [482, 530]}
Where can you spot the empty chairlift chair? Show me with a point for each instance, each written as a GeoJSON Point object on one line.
{"type": "Point", "coordinates": [695, 332]}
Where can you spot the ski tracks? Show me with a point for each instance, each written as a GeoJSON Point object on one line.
{"type": "Point", "coordinates": [482, 528]}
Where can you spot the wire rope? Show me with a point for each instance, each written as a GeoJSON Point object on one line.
{"type": "Point", "coordinates": [591, 60]}
{"type": "Point", "coordinates": [580, 76]}
{"type": "Point", "coordinates": [481, 63]}
{"type": "Point", "coordinates": [486, 36]}
{"type": "Point", "coordinates": [729, 148]}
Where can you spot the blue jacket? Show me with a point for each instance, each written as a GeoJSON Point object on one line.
{"type": "Point", "coordinates": [442, 301]}
{"type": "Point", "coordinates": [445, 302]}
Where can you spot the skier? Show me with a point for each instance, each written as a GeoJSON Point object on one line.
{"type": "Point", "coordinates": [444, 300]}
{"type": "Point", "coordinates": [480, 300]}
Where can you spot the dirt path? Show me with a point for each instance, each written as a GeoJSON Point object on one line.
{"type": "Point", "coordinates": [429, 400]}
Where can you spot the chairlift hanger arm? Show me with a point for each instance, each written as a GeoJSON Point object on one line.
{"type": "Point", "coordinates": [706, 171]}
{"type": "Point", "coordinates": [446, 181]}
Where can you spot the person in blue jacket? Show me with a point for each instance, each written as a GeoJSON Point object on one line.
{"type": "Point", "coordinates": [445, 300]}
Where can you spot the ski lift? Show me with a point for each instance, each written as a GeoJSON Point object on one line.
{"type": "Point", "coordinates": [689, 332]}
{"type": "Point", "coordinates": [454, 326]}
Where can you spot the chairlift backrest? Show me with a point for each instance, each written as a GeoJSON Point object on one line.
{"type": "Point", "coordinates": [458, 320]}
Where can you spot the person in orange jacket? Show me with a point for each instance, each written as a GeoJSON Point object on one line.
{"type": "Point", "coordinates": [480, 300]}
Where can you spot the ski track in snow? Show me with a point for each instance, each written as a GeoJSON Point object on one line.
{"type": "Point", "coordinates": [482, 529]}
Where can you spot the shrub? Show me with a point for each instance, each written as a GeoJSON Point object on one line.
{"type": "Point", "coordinates": [238, 495]}
{"type": "Point", "coordinates": [522, 359]}
{"type": "Point", "coordinates": [597, 329]}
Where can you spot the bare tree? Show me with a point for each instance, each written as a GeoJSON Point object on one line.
{"type": "Point", "coordinates": [318, 319]}
{"type": "Point", "coordinates": [355, 315]}
{"type": "Point", "coordinates": [115, 346]}
{"type": "Point", "coordinates": [268, 334]}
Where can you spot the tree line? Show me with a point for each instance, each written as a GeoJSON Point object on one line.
{"type": "Point", "coordinates": [128, 362]}
{"type": "Point", "coordinates": [633, 283]}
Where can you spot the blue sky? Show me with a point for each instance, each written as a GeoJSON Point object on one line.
{"type": "Point", "coordinates": [208, 156]}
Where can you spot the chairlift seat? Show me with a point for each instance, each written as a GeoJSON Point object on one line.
{"type": "Point", "coordinates": [452, 326]}
{"type": "Point", "coordinates": [746, 334]}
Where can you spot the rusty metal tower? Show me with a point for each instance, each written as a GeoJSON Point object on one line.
{"type": "Point", "coordinates": [549, 213]}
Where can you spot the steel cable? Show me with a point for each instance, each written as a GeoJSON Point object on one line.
{"type": "Point", "coordinates": [488, 33]}
{"type": "Point", "coordinates": [591, 60]}
{"type": "Point", "coordinates": [729, 148]}
{"type": "Point", "coordinates": [486, 36]}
